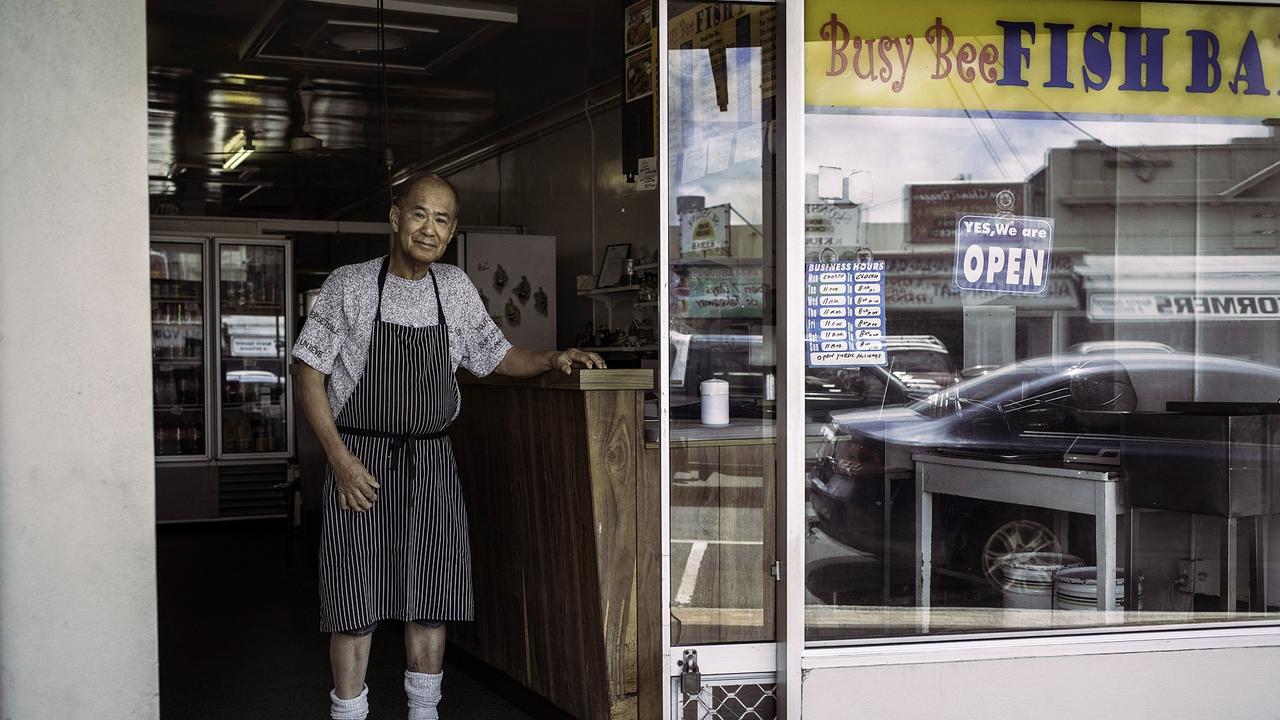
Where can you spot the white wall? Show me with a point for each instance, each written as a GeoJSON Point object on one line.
{"type": "Point", "coordinates": [77, 533]}
{"type": "Point", "coordinates": [1234, 684]}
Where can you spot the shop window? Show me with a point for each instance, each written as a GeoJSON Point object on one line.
{"type": "Point", "coordinates": [1071, 224]}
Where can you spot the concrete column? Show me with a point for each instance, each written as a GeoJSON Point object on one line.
{"type": "Point", "coordinates": [77, 533]}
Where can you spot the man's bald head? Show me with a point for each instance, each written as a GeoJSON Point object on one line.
{"type": "Point", "coordinates": [428, 181]}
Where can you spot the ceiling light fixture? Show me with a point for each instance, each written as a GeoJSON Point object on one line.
{"type": "Point", "coordinates": [237, 149]}
{"type": "Point", "coordinates": [389, 26]}
{"type": "Point", "coordinates": [366, 40]}
{"type": "Point", "coordinates": [467, 9]}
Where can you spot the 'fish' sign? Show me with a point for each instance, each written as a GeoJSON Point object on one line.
{"type": "Point", "coordinates": [1003, 253]}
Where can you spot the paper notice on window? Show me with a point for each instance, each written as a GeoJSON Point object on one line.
{"type": "Point", "coordinates": [647, 178]}
{"type": "Point", "coordinates": [748, 143]}
{"type": "Point", "coordinates": [719, 153]}
{"type": "Point", "coordinates": [694, 164]}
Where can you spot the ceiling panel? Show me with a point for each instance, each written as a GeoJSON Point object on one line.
{"type": "Point", "coordinates": [220, 67]}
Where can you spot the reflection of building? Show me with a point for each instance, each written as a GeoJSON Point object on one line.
{"type": "Point", "coordinates": [1166, 200]}
{"type": "Point", "coordinates": [1174, 235]}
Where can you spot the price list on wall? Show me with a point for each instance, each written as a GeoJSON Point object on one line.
{"type": "Point", "coordinates": [844, 314]}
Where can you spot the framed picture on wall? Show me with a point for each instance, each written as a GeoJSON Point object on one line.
{"type": "Point", "coordinates": [615, 258]}
{"type": "Point", "coordinates": [637, 26]}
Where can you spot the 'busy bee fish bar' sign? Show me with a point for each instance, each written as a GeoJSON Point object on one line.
{"type": "Point", "coordinates": [844, 314]}
{"type": "Point", "coordinates": [1086, 57]}
{"type": "Point", "coordinates": [1003, 253]}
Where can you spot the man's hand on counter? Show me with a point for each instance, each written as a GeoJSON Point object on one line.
{"type": "Point", "coordinates": [564, 360]}
{"type": "Point", "coordinates": [522, 363]}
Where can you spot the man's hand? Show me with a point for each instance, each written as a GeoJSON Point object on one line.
{"type": "Point", "coordinates": [353, 484]}
{"type": "Point", "coordinates": [564, 360]}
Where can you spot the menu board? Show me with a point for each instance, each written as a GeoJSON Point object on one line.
{"type": "Point", "coordinates": [844, 314]}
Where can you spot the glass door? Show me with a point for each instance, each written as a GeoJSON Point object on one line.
{"type": "Point", "coordinates": [721, 440]}
{"type": "Point", "coordinates": [253, 293]}
{"type": "Point", "coordinates": [177, 349]}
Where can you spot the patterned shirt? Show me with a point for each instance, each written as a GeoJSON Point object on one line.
{"type": "Point", "coordinates": [335, 339]}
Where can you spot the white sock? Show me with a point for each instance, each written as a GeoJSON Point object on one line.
{"type": "Point", "coordinates": [357, 708]}
{"type": "Point", "coordinates": [423, 690]}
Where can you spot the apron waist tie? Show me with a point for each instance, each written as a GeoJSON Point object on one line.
{"type": "Point", "coordinates": [399, 441]}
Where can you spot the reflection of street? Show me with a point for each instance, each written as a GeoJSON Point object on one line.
{"type": "Point", "coordinates": [821, 552]}
{"type": "Point", "coordinates": [718, 573]}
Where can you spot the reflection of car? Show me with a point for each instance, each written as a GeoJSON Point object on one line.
{"type": "Point", "coordinates": [251, 385]}
{"type": "Point", "coordinates": [920, 356]}
{"type": "Point", "coordinates": [1113, 346]}
{"type": "Point", "coordinates": [1036, 409]}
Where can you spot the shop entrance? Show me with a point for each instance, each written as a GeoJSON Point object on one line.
{"type": "Point", "coordinates": [276, 133]}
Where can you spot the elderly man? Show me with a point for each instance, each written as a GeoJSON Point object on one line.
{"type": "Point", "coordinates": [389, 335]}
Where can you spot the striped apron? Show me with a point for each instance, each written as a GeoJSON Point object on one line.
{"type": "Point", "coordinates": [407, 557]}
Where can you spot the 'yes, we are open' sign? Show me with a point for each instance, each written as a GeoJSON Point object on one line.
{"type": "Point", "coordinates": [1003, 253]}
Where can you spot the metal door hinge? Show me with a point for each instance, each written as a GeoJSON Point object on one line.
{"type": "Point", "coordinates": [776, 570]}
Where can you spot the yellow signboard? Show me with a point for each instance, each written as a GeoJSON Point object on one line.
{"type": "Point", "coordinates": [1029, 56]}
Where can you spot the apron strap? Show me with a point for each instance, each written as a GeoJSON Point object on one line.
{"type": "Point", "coordinates": [382, 280]}
{"type": "Point", "coordinates": [439, 307]}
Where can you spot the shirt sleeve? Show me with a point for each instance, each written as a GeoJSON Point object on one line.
{"type": "Point", "coordinates": [482, 343]}
{"type": "Point", "coordinates": [326, 328]}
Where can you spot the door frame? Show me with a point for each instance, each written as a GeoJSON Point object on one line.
{"type": "Point", "coordinates": [781, 657]}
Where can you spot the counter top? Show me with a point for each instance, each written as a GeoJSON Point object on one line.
{"type": "Point", "coordinates": [579, 379]}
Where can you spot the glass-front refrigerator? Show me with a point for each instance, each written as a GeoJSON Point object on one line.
{"type": "Point", "coordinates": [179, 365]}
{"type": "Point", "coordinates": [221, 331]}
{"type": "Point", "coordinates": [254, 412]}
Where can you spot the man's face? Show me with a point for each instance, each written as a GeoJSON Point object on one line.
{"type": "Point", "coordinates": [424, 221]}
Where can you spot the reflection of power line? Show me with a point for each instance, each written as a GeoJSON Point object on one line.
{"type": "Point", "coordinates": [990, 150]}
{"type": "Point", "coordinates": [1004, 135]}
{"type": "Point", "coordinates": [1008, 141]}
{"type": "Point", "coordinates": [1084, 132]}
{"type": "Point", "coordinates": [882, 202]}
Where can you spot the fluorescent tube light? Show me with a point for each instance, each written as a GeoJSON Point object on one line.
{"type": "Point", "coordinates": [237, 149]}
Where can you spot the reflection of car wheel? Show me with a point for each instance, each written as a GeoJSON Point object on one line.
{"type": "Point", "coordinates": [1017, 536]}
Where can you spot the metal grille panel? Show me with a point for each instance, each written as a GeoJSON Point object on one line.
{"type": "Point", "coordinates": [734, 700]}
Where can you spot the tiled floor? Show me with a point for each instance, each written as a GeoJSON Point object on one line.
{"type": "Point", "coordinates": [239, 638]}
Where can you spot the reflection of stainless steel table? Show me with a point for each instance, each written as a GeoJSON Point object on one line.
{"type": "Point", "coordinates": [1092, 491]}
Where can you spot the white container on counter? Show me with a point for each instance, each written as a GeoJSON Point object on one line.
{"type": "Point", "coordinates": [715, 402]}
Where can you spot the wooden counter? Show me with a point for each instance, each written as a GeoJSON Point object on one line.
{"type": "Point", "coordinates": [551, 469]}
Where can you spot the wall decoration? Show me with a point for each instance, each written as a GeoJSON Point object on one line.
{"type": "Point", "coordinates": [499, 279]}
{"type": "Point", "coordinates": [639, 75]}
{"type": "Point", "coordinates": [521, 290]}
{"type": "Point", "coordinates": [637, 25]}
{"type": "Point", "coordinates": [540, 301]}
{"type": "Point", "coordinates": [526, 262]}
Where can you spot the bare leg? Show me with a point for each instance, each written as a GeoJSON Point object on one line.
{"type": "Point", "coordinates": [424, 655]}
{"type": "Point", "coordinates": [423, 648]}
{"type": "Point", "coordinates": [349, 658]}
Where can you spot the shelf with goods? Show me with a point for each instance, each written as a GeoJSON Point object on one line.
{"type": "Point", "coordinates": [631, 294]}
